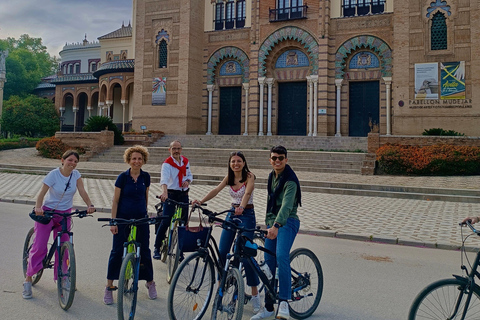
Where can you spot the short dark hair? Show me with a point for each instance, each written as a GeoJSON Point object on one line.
{"type": "Point", "coordinates": [279, 150]}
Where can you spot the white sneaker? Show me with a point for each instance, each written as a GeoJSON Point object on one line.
{"type": "Point", "coordinates": [27, 290]}
{"type": "Point", "coordinates": [283, 311]}
{"type": "Point", "coordinates": [256, 303]}
{"type": "Point", "coordinates": [263, 314]}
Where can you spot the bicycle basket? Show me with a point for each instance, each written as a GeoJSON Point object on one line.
{"type": "Point", "coordinates": [188, 237]}
{"type": "Point", "coordinates": [40, 219]}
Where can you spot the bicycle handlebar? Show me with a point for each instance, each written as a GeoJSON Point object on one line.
{"type": "Point", "coordinates": [122, 221]}
{"type": "Point", "coordinates": [77, 213]}
{"type": "Point", "coordinates": [469, 224]}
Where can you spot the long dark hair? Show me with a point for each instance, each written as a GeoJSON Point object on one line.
{"type": "Point", "coordinates": [231, 174]}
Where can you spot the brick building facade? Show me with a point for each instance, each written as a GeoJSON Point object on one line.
{"type": "Point", "coordinates": [288, 67]}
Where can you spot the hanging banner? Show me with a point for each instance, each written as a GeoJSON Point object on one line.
{"type": "Point", "coordinates": [452, 80]}
{"type": "Point", "coordinates": [159, 91]}
{"type": "Point", "coordinates": [426, 80]}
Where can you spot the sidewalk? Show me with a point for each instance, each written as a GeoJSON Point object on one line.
{"type": "Point", "coordinates": [401, 221]}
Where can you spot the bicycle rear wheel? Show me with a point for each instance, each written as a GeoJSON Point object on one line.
{"type": "Point", "coordinates": [26, 252]}
{"type": "Point", "coordinates": [66, 278]}
{"type": "Point", "coordinates": [307, 283]}
{"type": "Point", "coordinates": [446, 299]}
{"type": "Point", "coordinates": [229, 301]}
{"type": "Point", "coordinates": [192, 287]}
{"type": "Point", "coordinates": [127, 288]}
{"type": "Point", "coordinates": [173, 255]}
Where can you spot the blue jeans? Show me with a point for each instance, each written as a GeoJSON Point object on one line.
{"type": "Point", "coordinates": [281, 246]}
{"type": "Point", "coordinates": [227, 237]}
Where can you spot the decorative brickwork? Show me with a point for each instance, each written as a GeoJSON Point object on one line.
{"type": "Point", "coordinates": [228, 52]}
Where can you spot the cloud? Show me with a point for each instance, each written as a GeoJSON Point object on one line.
{"type": "Point", "coordinates": [62, 21]}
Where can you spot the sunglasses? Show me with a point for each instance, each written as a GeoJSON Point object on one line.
{"type": "Point", "coordinates": [274, 158]}
{"type": "Point", "coordinates": [236, 153]}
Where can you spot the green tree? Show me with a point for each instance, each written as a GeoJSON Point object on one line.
{"type": "Point", "coordinates": [31, 116]}
{"type": "Point", "coordinates": [27, 63]}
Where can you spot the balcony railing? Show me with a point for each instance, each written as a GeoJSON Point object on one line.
{"type": "Point", "coordinates": [369, 7]}
{"type": "Point", "coordinates": [227, 24]}
{"type": "Point", "coordinates": [290, 13]}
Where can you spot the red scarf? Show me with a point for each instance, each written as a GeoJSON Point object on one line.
{"type": "Point", "coordinates": [182, 171]}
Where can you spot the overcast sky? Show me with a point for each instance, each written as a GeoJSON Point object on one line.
{"type": "Point", "coordinates": [62, 21]}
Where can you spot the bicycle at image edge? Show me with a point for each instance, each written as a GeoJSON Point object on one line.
{"type": "Point", "coordinates": [193, 282]}
{"type": "Point", "coordinates": [129, 271]}
{"type": "Point", "coordinates": [66, 270]}
{"type": "Point", "coordinates": [170, 251]}
{"type": "Point", "coordinates": [454, 298]}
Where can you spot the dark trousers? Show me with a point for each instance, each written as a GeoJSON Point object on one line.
{"type": "Point", "coordinates": [169, 211]}
{"type": "Point", "coordinates": [116, 255]}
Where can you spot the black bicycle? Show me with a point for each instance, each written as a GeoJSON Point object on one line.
{"type": "Point", "coordinates": [192, 285]}
{"type": "Point", "coordinates": [457, 298]}
{"type": "Point", "coordinates": [129, 271]}
{"type": "Point", "coordinates": [66, 270]}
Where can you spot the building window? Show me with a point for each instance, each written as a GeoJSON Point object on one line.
{"type": "Point", "coordinates": [353, 8]}
{"type": "Point", "coordinates": [438, 32]}
{"type": "Point", "coordinates": [288, 10]}
{"type": "Point", "coordinates": [162, 54]}
{"type": "Point", "coordinates": [241, 14]}
{"type": "Point", "coordinates": [77, 68]}
{"type": "Point", "coordinates": [70, 68]}
{"type": "Point", "coordinates": [230, 15]}
{"type": "Point", "coordinates": [93, 67]}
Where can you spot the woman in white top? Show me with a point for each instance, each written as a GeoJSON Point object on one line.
{"type": "Point", "coordinates": [58, 189]}
{"type": "Point", "coordinates": [241, 184]}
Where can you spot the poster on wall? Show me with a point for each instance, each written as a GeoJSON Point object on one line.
{"type": "Point", "coordinates": [159, 91]}
{"type": "Point", "coordinates": [426, 80]}
{"type": "Point", "coordinates": [452, 80]}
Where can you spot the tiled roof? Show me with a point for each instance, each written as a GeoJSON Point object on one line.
{"type": "Point", "coordinates": [44, 85]}
{"type": "Point", "coordinates": [123, 32]}
{"type": "Point", "coordinates": [69, 78]}
{"type": "Point", "coordinates": [115, 66]}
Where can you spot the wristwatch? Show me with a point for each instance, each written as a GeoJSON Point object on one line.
{"type": "Point", "coordinates": [276, 225]}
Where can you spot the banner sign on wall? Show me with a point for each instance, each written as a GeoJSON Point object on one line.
{"type": "Point", "coordinates": [426, 81]}
{"type": "Point", "coordinates": [159, 91]}
{"type": "Point", "coordinates": [452, 80]}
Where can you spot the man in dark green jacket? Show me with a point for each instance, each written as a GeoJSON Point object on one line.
{"type": "Point", "coordinates": [284, 197]}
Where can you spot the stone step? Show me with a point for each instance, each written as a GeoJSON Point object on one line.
{"type": "Point", "coordinates": [419, 193]}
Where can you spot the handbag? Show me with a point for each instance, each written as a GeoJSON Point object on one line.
{"type": "Point", "coordinates": [190, 238]}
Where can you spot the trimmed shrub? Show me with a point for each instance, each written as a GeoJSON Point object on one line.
{"type": "Point", "coordinates": [54, 148]}
{"type": "Point", "coordinates": [6, 144]}
{"type": "Point", "coordinates": [429, 160]}
{"type": "Point", "coordinates": [99, 123]}
{"type": "Point", "coordinates": [441, 132]}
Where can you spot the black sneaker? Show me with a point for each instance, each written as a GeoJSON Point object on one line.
{"type": "Point", "coordinates": [156, 254]}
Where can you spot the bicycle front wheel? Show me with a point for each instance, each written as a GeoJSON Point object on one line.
{"type": "Point", "coordinates": [446, 299]}
{"type": "Point", "coordinates": [173, 255]}
{"type": "Point", "coordinates": [307, 283]}
{"type": "Point", "coordinates": [66, 277]}
{"type": "Point", "coordinates": [26, 252]}
{"type": "Point", "coordinates": [127, 288]}
{"type": "Point", "coordinates": [192, 287]}
{"type": "Point", "coordinates": [229, 300]}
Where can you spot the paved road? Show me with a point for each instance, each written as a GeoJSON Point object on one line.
{"type": "Point", "coordinates": [363, 280]}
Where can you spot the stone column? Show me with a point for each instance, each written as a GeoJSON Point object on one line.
{"type": "Point", "coordinates": [108, 103]}
{"type": "Point", "coordinates": [3, 77]}
{"type": "Point", "coordinates": [388, 82]}
{"type": "Point", "coordinates": [62, 110]}
{"type": "Point", "coordinates": [315, 104]}
{"type": "Point", "coordinates": [338, 84]}
{"type": "Point", "coordinates": [75, 109]}
{"type": "Point", "coordinates": [270, 82]}
{"type": "Point", "coordinates": [100, 108]}
{"type": "Point", "coordinates": [123, 102]}
{"type": "Point", "coordinates": [261, 82]}
{"type": "Point", "coordinates": [246, 87]}
{"type": "Point", "coordinates": [210, 88]}
{"type": "Point", "coordinates": [89, 108]}
{"type": "Point", "coordinates": [310, 105]}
